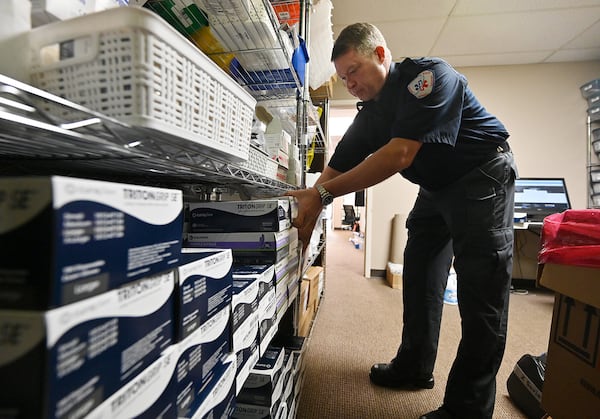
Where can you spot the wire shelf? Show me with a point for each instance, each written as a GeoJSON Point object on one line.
{"type": "Point", "coordinates": [255, 41]}
{"type": "Point", "coordinates": [287, 110]}
{"type": "Point", "coordinates": [43, 134]}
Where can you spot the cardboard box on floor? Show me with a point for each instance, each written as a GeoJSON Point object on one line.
{"type": "Point", "coordinates": [305, 308]}
{"type": "Point", "coordinates": [309, 298]}
{"type": "Point", "coordinates": [314, 275]}
{"type": "Point", "coordinates": [394, 276]}
{"type": "Point", "coordinates": [306, 322]}
{"type": "Point", "coordinates": [572, 381]}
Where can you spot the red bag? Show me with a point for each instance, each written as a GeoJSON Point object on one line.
{"type": "Point", "coordinates": [571, 237]}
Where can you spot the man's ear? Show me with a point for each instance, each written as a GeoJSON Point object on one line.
{"type": "Point", "coordinates": [380, 51]}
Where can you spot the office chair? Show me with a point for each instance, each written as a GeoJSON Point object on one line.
{"type": "Point", "coordinates": [350, 218]}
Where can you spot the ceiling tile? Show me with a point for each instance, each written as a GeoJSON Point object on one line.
{"type": "Point", "coordinates": [478, 7]}
{"type": "Point", "coordinates": [482, 32]}
{"type": "Point", "coordinates": [588, 54]}
{"type": "Point", "coordinates": [496, 59]}
{"type": "Point", "coordinates": [589, 38]}
{"type": "Point", "coordinates": [411, 38]}
{"type": "Point", "coordinates": [350, 11]}
{"type": "Point", "coordinates": [529, 31]}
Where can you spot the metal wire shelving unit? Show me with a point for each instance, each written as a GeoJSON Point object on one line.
{"type": "Point", "coordinates": [44, 134]}
{"type": "Point", "coordinates": [72, 140]}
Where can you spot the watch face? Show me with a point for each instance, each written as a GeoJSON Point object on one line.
{"type": "Point", "coordinates": [326, 197]}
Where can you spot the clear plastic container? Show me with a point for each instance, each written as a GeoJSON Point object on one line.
{"type": "Point", "coordinates": [590, 89]}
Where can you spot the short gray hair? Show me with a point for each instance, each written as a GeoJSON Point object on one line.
{"type": "Point", "coordinates": [362, 37]}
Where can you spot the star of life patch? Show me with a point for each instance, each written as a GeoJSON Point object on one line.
{"type": "Point", "coordinates": [422, 85]}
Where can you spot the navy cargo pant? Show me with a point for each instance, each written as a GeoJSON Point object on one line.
{"type": "Point", "coordinates": [472, 220]}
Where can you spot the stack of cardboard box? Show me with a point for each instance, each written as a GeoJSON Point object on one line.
{"type": "Point", "coordinates": [572, 382]}
{"type": "Point", "coordinates": [310, 292]}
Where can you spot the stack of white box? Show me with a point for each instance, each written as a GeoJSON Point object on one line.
{"type": "Point", "coordinates": [266, 297]}
{"type": "Point", "coordinates": [278, 143]}
{"type": "Point", "coordinates": [195, 377]}
{"type": "Point", "coordinates": [266, 253]}
{"type": "Point", "coordinates": [262, 393]}
{"type": "Point", "coordinates": [86, 300]}
{"type": "Point", "coordinates": [272, 389]}
{"type": "Point", "coordinates": [294, 347]}
{"type": "Point", "coordinates": [204, 373]}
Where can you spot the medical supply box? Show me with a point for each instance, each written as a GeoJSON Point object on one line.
{"type": "Point", "coordinates": [64, 239]}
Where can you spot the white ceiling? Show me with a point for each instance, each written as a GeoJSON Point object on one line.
{"type": "Point", "coordinates": [481, 32]}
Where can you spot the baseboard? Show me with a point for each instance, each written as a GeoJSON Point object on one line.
{"type": "Point", "coordinates": [523, 283]}
{"type": "Point", "coordinates": [378, 273]}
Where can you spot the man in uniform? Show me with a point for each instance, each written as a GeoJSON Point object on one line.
{"type": "Point", "coordinates": [418, 117]}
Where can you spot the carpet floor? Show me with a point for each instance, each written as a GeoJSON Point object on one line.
{"type": "Point", "coordinates": [359, 322]}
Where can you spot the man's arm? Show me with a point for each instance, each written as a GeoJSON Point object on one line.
{"type": "Point", "coordinates": [396, 155]}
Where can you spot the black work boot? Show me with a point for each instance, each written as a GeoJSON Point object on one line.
{"type": "Point", "coordinates": [386, 375]}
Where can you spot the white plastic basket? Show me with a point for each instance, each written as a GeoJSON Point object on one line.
{"type": "Point", "coordinates": [129, 64]}
{"type": "Point", "coordinates": [259, 162]}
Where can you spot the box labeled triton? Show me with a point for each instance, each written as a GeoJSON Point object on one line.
{"type": "Point", "coordinates": [249, 247]}
{"type": "Point", "coordinates": [265, 274]}
{"type": "Point", "coordinates": [204, 285]}
{"type": "Point", "coordinates": [66, 361]}
{"type": "Point", "coordinates": [200, 359]}
{"type": "Point", "coordinates": [65, 239]}
{"type": "Point", "coordinates": [241, 216]}
{"type": "Point", "coordinates": [150, 394]}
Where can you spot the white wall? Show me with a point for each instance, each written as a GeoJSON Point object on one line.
{"type": "Point", "coordinates": [543, 110]}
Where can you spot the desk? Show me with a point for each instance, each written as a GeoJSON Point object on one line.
{"type": "Point", "coordinates": [529, 225]}
{"type": "Point", "coordinates": [526, 248]}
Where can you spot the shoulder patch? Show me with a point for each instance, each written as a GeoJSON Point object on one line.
{"type": "Point", "coordinates": [422, 85]}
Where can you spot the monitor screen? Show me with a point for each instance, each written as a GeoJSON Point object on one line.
{"type": "Point", "coordinates": [540, 197]}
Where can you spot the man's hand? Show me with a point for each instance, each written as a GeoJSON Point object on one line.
{"type": "Point", "coordinates": [309, 208]}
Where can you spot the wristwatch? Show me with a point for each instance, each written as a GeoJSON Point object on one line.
{"type": "Point", "coordinates": [326, 196]}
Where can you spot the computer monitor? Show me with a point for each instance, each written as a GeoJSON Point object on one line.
{"type": "Point", "coordinates": [540, 197]}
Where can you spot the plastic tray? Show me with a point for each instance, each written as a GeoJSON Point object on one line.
{"type": "Point", "coordinates": [273, 78]}
{"type": "Point", "coordinates": [130, 64]}
{"type": "Point", "coordinates": [591, 88]}
{"type": "Point", "coordinates": [259, 162]}
{"type": "Point", "coordinates": [594, 113]}
{"type": "Point", "coordinates": [596, 147]}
